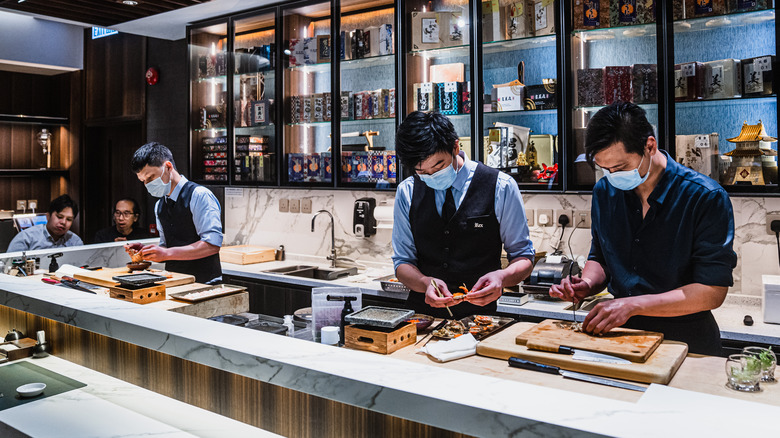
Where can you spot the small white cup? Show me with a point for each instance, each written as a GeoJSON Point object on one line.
{"type": "Point", "coordinates": [329, 335]}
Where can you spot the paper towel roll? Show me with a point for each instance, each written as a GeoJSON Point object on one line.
{"type": "Point", "coordinates": [384, 216]}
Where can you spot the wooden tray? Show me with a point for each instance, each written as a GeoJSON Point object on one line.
{"type": "Point", "coordinates": [104, 278]}
{"type": "Point", "coordinates": [214, 291]}
{"type": "Point", "coordinates": [246, 254]}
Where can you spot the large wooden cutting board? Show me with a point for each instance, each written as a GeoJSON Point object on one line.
{"type": "Point", "coordinates": [103, 277]}
{"type": "Point", "coordinates": [634, 345]}
{"type": "Point", "coordinates": [660, 367]}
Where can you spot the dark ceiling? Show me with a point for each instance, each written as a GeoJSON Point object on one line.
{"type": "Point", "coordinates": [99, 12]}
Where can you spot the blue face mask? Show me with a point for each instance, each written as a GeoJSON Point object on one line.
{"type": "Point", "coordinates": [158, 188]}
{"type": "Point", "coordinates": [442, 179]}
{"type": "Point", "coordinates": [627, 179]}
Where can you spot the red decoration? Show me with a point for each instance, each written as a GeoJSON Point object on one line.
{"type": "Point", "coordinates": [152, 76]}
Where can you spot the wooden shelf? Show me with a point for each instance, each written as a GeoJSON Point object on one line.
{"type": "Point", "coordinates": [33, 172]}
{"type": "Point", "coordinates": [34, 120]}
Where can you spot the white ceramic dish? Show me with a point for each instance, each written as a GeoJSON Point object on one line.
{"type": "Point", "coordinates": [31, 389]}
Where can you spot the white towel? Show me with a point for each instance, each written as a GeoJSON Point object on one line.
{"type": "Point", "coordinates": [445, 351]}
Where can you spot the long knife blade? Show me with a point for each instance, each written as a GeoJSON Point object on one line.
{"type": "Point", "coordinates": [592, 356]}
{"type": "Point", "coordinates": [600, 380]}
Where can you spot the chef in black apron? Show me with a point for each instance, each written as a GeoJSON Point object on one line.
{"type": "Point", "coordinates": [451, 220]}
{"type": "Point", "coordinates": [662, 237]}
{"type": "Point", "coordinates": [188, 217]}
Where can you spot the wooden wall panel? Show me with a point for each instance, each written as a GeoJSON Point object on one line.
{"type": "Point", "coordinates": [273, 408]}
{"type": "Point", "coordinates": [30, 94]}
{"type": "Point", "coordinates": [114, 69]}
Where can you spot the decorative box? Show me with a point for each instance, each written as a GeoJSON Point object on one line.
{"type": "Point", "coordinates": [628, 12]}
{"type": "Point", "coordinates": [679, 9]}
{"type": "Point", "coordinates": [390, 165]}
{"type": "Point", "coordinates": [617, 84]}
{"type": "Point", "coordinates": [358, 99]}
{"type": "Point", "coordinates": [259, 112]}
{"type": "Point", "coordinates": [590, 87]}
{"type": "Point", "coordinates": [699, 152]}
{"type": "Point", "coordinates": [448, 97]}
{"type": "Point", "coordinates": [345, 45]}
{"type": "Point", "coordinates": [645, 11]}
{"type": "Point", "coordinates": [465, 100]}
{"type": "Point", "coordinates": [242, 143]}
{"type": "Point", "coordinates": [424, 100]}
{"type": "Point", "coordinates": [497, 150]}
{"type": "Point", "coordinates": [757, 75]}
{"type": "Point", "coordinates": [295, 167]}
{"type": "Point", "coordinates": [366, 51]}
{"type": "Point", "coordinates": [541, 97]}
{"type": "Point", "coordinates": [723, 79]}
{"type": "Point", "coordinates": [378, 170]}
{"type": "Point", "coordinates": [491, 21]}
{"type": "Point", "coordinates": [689, 81]}
{"type": "Point", "coordinates": [371, 35]}
{"type": "Point", "coordinates": [507, 98]}
{"type": "Point", "coordinates": [358, 44]}
{"type": "Point", "coordinates": [328, 113]}
{"type": "Point", "coordinates": [703, 8]}
{"type": "Point", "coordinates": [425, 31]}
{"type": "Point", "coordinates": [323, 49]}
{"type": "Point", "coordinates": [376, 105]}
{"type": "Point", "coordinates": [318, 107]}
{"type": "Point", "coordinates": [385, 39]}
{"type": "Point", "coordinates": [591, 14]}
{"type": "Point", "coordinates": [221, 64]}
{"type": "Point", "coordinates": [312, 162]}
{"type": "Point", "coordinates": [748, 5]}
{"type": "Point", "coordinates": [543, 13]}
{"type": "Point", "coordinates": [346, 113]}
{"type": "Point", "coordinates": [644, 81]}
{"type": "Point", "coordinates": [517, 21]}
{"type": "Point", "coordinates": [368, 109]}
{"type": "Point", "coordinates": [326, 166]}
{"type": "Point", "coordinates": [306, 109]}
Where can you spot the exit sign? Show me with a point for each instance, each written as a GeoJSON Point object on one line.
{"type": "Point", "coordinates": [100, 32]}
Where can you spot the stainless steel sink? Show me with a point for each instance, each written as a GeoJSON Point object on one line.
{"type": "Point", "coordinates": [290, 269]}
{"type": "Point", "coordinates": [314, 272]}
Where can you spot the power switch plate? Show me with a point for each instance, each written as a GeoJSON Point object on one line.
{"type": "Point", "coordinates": [582, 218]}
{"type": "Point", "coordinates": [561, 212]}
{"type": "Point", "coordinates": [284, 205]}
{"type": "Point", "coordinates": [295, 205]}
{"type": "Point", "coordinates": [544, 217]}
{"type": "Point", "coordinates": [769, 219]}
{"type": "Point", "coordinates": [32, 204]}
{"type": "Point", "coordinates": [306, 206]}
{"type": "Point", "coordinates": [21, 204]}
{"type": "Point", "coordinates": [529, 217]}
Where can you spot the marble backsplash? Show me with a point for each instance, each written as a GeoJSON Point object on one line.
{"type": "Point", "coordinates": [254, 219]}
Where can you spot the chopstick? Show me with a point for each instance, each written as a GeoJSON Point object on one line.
{"type": "Point", "coordinates": [441, 295]}
{"type": "Point", "coordinates": [438, 326]}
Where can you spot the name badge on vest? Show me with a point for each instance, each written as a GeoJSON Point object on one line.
{"type": "Point", "coordinates": [477, 223]}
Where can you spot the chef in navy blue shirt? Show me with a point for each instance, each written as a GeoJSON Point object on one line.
{"type": "Point", "coordinates": [452, 219]}
{"type": "Point", "coordinates": [188, 217]}
{"type": "Point", "coordinates": [662, 237]}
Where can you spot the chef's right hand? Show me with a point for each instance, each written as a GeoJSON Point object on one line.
{"type": "Point", "coordinates": [433, 299]}
{"type": "Point", "coordinates": [134, 246]}
{"type": "Point", "coordinates": [573, 289]}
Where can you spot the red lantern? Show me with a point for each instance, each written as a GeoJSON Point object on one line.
{"type": "Point", "coordinates": [152, 76]}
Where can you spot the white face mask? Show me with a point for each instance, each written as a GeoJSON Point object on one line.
{"type": "Point", "coordinates": [158, 188]}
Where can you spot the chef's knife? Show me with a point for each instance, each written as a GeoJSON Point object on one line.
{"type": "Point", "coordinates": [74, 284]}
{"type": "Point", "coordinates": [533, 366]}
{"type": "Point", "coordinates": [584, 355]}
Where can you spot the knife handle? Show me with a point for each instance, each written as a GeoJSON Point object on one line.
{"type": "Point", "coordinates": [547, 346]}
{"type": "Point", "coordinates": [516, 362]}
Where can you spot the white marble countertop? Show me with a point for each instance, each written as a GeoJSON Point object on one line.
{"type": "Point", "coordinates": [109, 407]}
{"type": "Point", "coordinates": [477, 405]}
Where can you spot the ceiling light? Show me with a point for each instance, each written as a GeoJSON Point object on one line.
{"type": "Point", "coordinates": [130, 2]}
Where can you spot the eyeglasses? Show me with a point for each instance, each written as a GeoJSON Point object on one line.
{"type": "Point", "coordinates": [123, 213]}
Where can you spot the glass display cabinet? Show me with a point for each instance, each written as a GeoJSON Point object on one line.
{"type": "Point", "coordinates": [520, 104]}
{"type": "Point", "coordinates": [208, 52]}
{"type": "Point", "coordinates": [614, 55]}
{"type": "Point", "coordinates": [367, 72]}
{"type": "Point", "coordinates": [725, 105]}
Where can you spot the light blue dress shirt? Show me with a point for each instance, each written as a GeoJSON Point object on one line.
{"type": "Point", "coordinates": [38, 237]}
{"type": "Point", "coordinates": [510, 213]}
{"type": "Point", "coordinates": [206, 213]}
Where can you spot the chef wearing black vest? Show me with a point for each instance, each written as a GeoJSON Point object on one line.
{"type": "Point", "coordinates": [451, 220]}
{"type": "Point", "coordinates": [188, 217]}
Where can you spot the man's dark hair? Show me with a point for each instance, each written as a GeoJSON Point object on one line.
{"type": "Point", "coordinates": [136, 207]}
{"type": "Point", "coordinates": [152, 154]}
{"type": "Point", "coordinates": [422, 135]}
{"type": "Point", "coordinates": [61, 203]}
{"type": "Point", "coordinates": [620, 122]}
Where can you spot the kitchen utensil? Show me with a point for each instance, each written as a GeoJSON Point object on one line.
{"type": "Point", "coordinates": [138, 279]}
{"type": "Point", "coordinates": [499, 323]}
{"type": "Point", "coordinates": [391, 284]}
{"type": "Point", "coordinates": [104, 277]}
{"type": "Point", "coordinates": [74, 284]}
{"type": "Point", "coordinates": [533, 366]}
{"type": "Point", "coordinates": [329, 335]}
{"type": "Point", "coordinates": [421, 321]}
{"type": "Point", "coordinates": [438, 292]}
{"type": "Point", "coordinates": [578, 354]}
{"type": "Point", "coordinates": [138, 266]}
{"type": "Point", "coordinates": [13, 335]}
{"type": "Point", "coordinates": [303, 314]}
{"type": "Point", "coordinates": [430, 335]}
{"type": "Point", "coordinates": [376, 316]}
{"type": "Point", "coordinates": [31, 389]}
{"type": "Point", "coordinates": [207, 292]}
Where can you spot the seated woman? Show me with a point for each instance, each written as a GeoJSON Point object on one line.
{"type": "Point", "coordinates": [126, 214]}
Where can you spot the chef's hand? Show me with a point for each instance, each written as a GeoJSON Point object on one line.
{"type": "Point", "coordinates": [134, 246]}
{"type": "Point", "coordinates": [573, 289]}
{"type": "Point", "coordinates": [608, 315]}
{"type": "Point", "coordinates": [155, 253]}
{"type": "Point", "coordinates": [432, 297]}
{"type": "Point", "coordinates": [488, 289]}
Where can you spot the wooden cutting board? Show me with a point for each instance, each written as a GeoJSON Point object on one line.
{"type": "Point", "coordinates": [104, 278]}
{"type": "Point", "coordinates": [246, 254]}
{"type": "Point", "coordinates": [634, 345]}
{"type": "Point", "coordinates": [660, 367]}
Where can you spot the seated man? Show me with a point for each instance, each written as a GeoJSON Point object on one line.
{"type": "Point", "coordinates": [126, 214]}
{"type": "Point", "coordinates": [55, 233]}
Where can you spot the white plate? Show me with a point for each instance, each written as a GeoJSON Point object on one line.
{"type": "Point", "coordinates": [31, 389]}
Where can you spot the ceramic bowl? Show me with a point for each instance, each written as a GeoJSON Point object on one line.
{"type": "Point", "coordinates": [422, 321]}
{"type": "Point", "coordinates": [31, 389]}
{"type": "Point", "coordinates": [140, 266]}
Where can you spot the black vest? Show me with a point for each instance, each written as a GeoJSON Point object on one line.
{"type": "Point", "coordinates": [179, 229]}
{"type": "Point", "coordinates": [461, 250]}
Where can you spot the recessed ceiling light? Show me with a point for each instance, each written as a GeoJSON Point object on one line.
{"type": "Point", "coordinates": [130, 2]}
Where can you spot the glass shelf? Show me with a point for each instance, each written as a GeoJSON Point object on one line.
{"type": "Point", "coordinates": [737, 19]}
{"type": "Point", "coordinates": [372, 61]}
{"type": "Point", "coordinates": [616, 33]}
{"type": "Point", "coordinates": [314, 68]}
{"type": "Point", "coordinates": [209, 129]}
{"type": "Point", "coordinates": [266, 73]}
{"type": "Point", "coordinates": [255, 128]}
{"type": "Point", "coordinates": [378, 119]}
{"type": "Point", "coordinates": [534, 42]}
{"type": "Point", "coordinates": [727, 99]}
{"type": "Point", "coordinates": [312, 124]}
{"type": "Point", "coordinates": [644, 106]}
{"type": "Point", "coordinates": [222, 78]}
{"type": "Point", "coordinates": [442, 52]}
{"type": "Point", "coordinates": [521, 112]}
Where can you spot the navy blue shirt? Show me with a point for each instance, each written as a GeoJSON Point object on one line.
{"type": "Point", "coordinates": [686, 237]}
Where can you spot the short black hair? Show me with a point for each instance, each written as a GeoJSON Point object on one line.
{"type": "Point", "coordinates": [152, 154]}
{"type": "Point", "coordinates": [620, 122]}
{"type": "Point", "coordinates": [136, 207]}
{"type": "Point", "coordinates": [423, 134]}
{"type": "Point", "coordinates": [61, 203]}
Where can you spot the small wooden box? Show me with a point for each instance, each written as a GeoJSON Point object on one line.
{"type": "Point", "coordinates": [143, 295]}
{"type": "Point", "coordinates": [246, 254]}
{"type": "Point", "coordinates": [378, 340]}
{"type": "Point", "coordinates": [25, 346]}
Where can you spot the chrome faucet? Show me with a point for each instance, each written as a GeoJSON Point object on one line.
{"type": "Point", "coordinates": [332, 256]}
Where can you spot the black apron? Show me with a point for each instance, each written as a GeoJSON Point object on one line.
{"type": "Point", "coordinates": [461, 250]}
{"type": "Point", "coordinates": [179, 229]}
{"type": "Point", "coordinates": [699, 330]}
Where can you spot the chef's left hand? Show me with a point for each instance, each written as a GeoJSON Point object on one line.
{"type": "Point", "coordinates": [488, 289]}
{"type": "Point", "coordinates": [608, 315]}
{"type": "Point", "coordinates": [154, 253]}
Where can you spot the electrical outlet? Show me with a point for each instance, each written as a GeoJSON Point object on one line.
{"type": "Point", "coordinates": [769, 219]}
{"type": "Point", "coordinates": [306, 206]}
{"type": "Point", "coordinates": [32, 204]}
{"type": "Point", "coordinates": [529, 217]}
{"type": "Point", "coordinates": [284, 205]}
{"type": "Point", "coordinates": [544, 217]}
{"type": "Point", "coordinates": [562, 212]}
{"type": "Point", "coordinates": [295, 205]}
{"type": "Point", "coordinates": [21, 204]}
{"type": "Point", "coordinates": [582, 218]}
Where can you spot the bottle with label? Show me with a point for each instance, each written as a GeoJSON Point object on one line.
{"type": "Point", "coordinates": [288, 322]}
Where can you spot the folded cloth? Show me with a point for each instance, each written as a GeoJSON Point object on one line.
{"type": "Point", "coordinates": [445, 351]}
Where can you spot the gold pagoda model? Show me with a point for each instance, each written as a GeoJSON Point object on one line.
{"type": "Point", "coordinates": [746, 167]}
